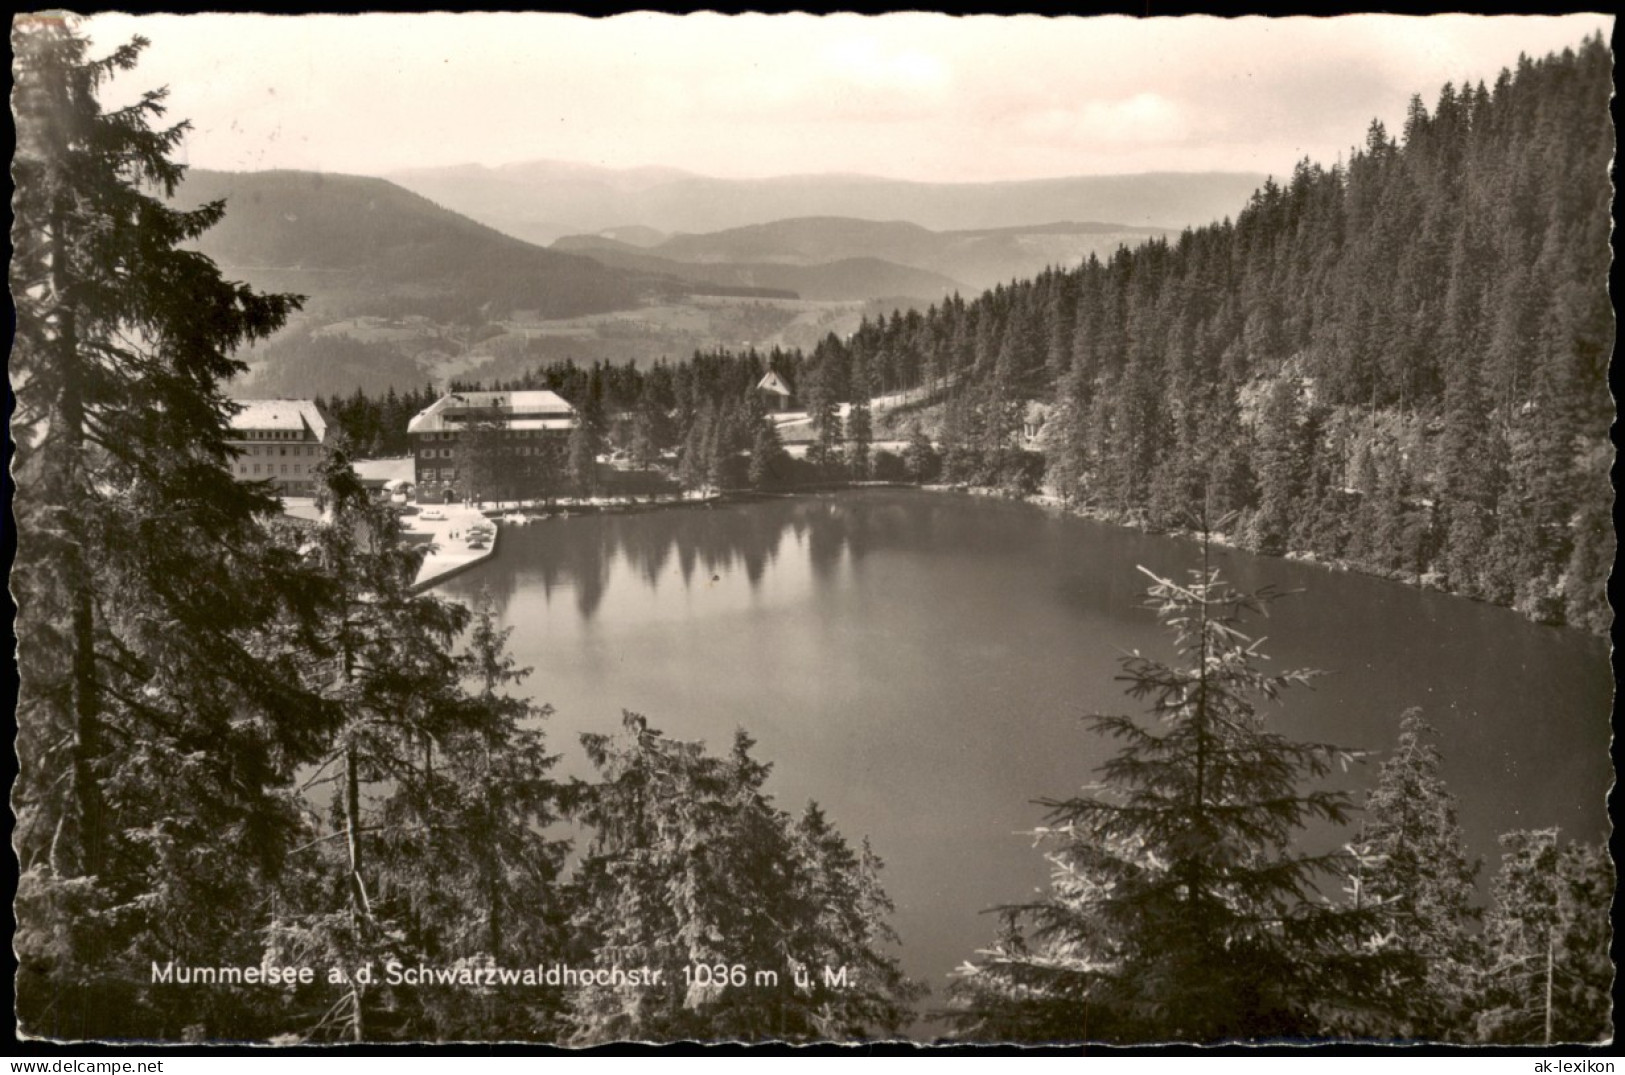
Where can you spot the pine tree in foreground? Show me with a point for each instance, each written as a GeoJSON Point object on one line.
{"type": "Point", "coordinates": [379, 659]}
{"type": "Point", "coordinates": [692, 873]}
{"type": "Point", "coordinates": [1180, 908]}
{"type": "Point", "coordinates": [466, 851]}
{"type": "Point", "coordinates": [1416, 874]}
{"type": "Point", "coordinates": [1548, 975]}
{"type": "Point", "coordinates": [153, 735]}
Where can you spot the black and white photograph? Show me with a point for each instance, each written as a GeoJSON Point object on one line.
{"type": "Point", "coordinates": [812, 529]}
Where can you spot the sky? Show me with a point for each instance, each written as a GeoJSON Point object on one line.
{"type": "Point", "coordinates": [908, 96]}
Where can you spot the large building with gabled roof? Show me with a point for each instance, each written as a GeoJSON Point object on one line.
{"type": "Point", "coordinates": [283, 441]}
{"type": "Point", "coordinates": [518, 427]}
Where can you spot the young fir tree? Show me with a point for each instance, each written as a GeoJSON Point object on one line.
{"type": "Point", "coordinates": [920, 459]}
{"type": "Point", "coordinates": [823, 408]}
{"type": "Point", "coordinates": [464, 849]}
{"type": "Point", "coordinates": [691, 871]}
{"type": "Point", "coordinates": [845, 926]}
{"type": "Point", "coordinates": [153, 732]}
{"type": "Point", "coordinates": [1181, 909]}
{"type": "Point", "coordinates": [767, 454]}
{"type": "Point", "coordinates": [380, 659]}
{"type": "Point", "coordinates": [1548, 976]}
{"type": "Point", "coordinates": [581, 459]}
{"type": "Point", "coordinates": [859, 424]}
{"type": "Point", "coordinates": [1416, 874]}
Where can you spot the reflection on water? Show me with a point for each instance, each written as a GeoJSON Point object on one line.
{"type": "Point", "coordinates": [917, 663]}
{"type": "Point", "coordinates": [583, 554]}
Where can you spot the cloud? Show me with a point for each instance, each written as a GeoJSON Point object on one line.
{"type": "Point", "coordinates": [865, 63]}
{"type": "Point", "coordinates": [917, 94]}
{"type": "Point", "coordinates": [853, 79]}
{"type": "Point", "coordinates": [1140, 120]}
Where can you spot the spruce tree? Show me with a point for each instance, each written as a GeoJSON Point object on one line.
{"type": "Point", "coordinates": [466, 850]}
{"type": "Point", "coordinates": [1282, 464]}
{"type": "Point", "coordinates": [767, 454]}
{"type": "Point", "coordinates": [379, 658]}
{"type": "Point", "coordinates": [1181, 908]}
{"type": "Point", "coordinates": [581, 455]}
{"type": "Point", "coordinates": [692, 871]}
{"type": "Point", "coordinates": [154, 732]}
{"type": "Point", "coordinates": [1547, 976]}
{"type": "Point", "coordinates": [859, 424]}
{"type": "Point", "coordinates": [920, 460]}
{"type": "Point", "coordinates": [1420, 881]}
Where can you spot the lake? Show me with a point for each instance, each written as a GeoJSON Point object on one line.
{"type": "Point", "coordinates": [918, 662]}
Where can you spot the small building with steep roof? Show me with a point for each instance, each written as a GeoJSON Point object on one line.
{"type": "Point", "coordinates": [780, 396]}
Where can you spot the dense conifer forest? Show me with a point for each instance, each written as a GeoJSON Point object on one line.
{"type": "Point", "coordinates": [1397, 362]}
{"type": "Point", "coordinates": [271, 792]}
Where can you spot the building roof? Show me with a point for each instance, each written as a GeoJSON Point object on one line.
{"type": "Point", "coordinates": [774, 383]}
{"type": "Point", "coordinates": [515, 410]}
{"type": "Point", "coordinates": [295, 415]}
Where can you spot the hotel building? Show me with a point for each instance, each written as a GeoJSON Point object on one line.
{"type": "Point", "coordinates": [283, 441]}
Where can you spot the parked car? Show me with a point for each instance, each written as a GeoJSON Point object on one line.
{"type": "Point", "coordinates": [431, 515]}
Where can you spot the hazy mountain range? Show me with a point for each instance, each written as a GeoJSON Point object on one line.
{"type": "Point", "coordinates": [544, 200]}
{"type": "Point", "coordinates": [358, 244]}
{"type": "Point", "coordinates": [843, 258]}
{"type": "Point", "coordinates": [423, 290]}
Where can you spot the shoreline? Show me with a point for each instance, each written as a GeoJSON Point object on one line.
{"type": "Point", "coordinates": [1228, 541]}
{"type": "Point", "coordinates": [453, 564]}
{"type": "Point", "coordinates": [446, 559]}
{"type": "Point", "coordinates": [447, 556]}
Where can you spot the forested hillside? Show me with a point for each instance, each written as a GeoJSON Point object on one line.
{"type": "Point", "coordinates": [1397, 361]}
{"type": "Point", "coordinates": [846, 278]}
{"type": "Point", "coordinates": [362, 245]}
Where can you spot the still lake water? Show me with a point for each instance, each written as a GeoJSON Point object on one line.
{"type": "Point", "coordinates": [917, 663]}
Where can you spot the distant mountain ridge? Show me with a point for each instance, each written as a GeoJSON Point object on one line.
{"type": "Point", "coordinates": [941, 261]}
{"type": "Point", "coordinates": [544, 200]}
{"type": "Point", "coordinates": [846, 278]}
